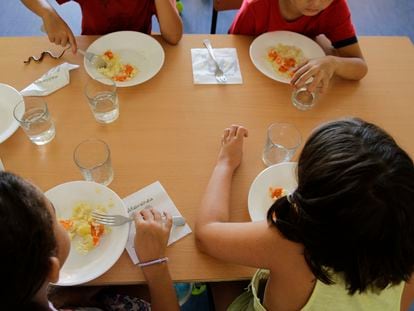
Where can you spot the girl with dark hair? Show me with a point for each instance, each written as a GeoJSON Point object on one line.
{"type": "Point", "coordinates": [343, 240]}
{"type": "Point", "coordinates": [35, 246]}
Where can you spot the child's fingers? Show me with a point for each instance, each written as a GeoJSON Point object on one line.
{"type": "Point", "coordinates": [299, 72]}
{"type": "Point", "coordinates": [138, 218]}
{"type": "Point", "coordinates": [147, 214]}
{"type": "Point", "coordinates": [233, 130]}
{"type": "Point", "coordinates": [73, 43]}
{"type": "Point", "coordinates": [226, 133]}
{"type": "Point", "coordinates": [157, 215]}
{"type": "Point", "coordinates": [64, 41]}
{"type": "Point", "coordinates": [167, 220]}
{"type": "Point", "coordinates": [315, 82]}
{"type": "Point", "coordinates": [242, 132]}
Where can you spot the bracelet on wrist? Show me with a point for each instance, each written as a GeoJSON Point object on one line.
{"type": "Point", "coordinates": [152, 262]}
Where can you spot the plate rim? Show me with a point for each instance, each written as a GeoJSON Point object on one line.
{"type": "Point", "coordinates": [119, 241]}
{"type": "Point", "coordinates": [14, 124]}
{"type": "Point", "coordinates": [130, 32]}
{"type": "Point", "coordinates": [258, 176]}
{"type": "Point", "coordinates": [275, 77]}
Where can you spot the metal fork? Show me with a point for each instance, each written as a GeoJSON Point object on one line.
{"type": "Point", "coordinates": [95, 59]}
{"type": "Point", "coordinates": [220, 76]}
{"type": "Point", "coordinates": [117, 220]}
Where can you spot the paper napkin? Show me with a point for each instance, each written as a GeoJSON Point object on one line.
{"type": "Point", "coordinates": [153, 195]}
{"type": "Point", "coordinates": [51, 81]}
{"type": "Point", "coordinates": [204, 67]}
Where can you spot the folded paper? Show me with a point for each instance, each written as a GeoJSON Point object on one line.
{"type": "Point", "coordinates": [154, 196]}
{"type": "Point", "coordinates": [51, 81]}
{"type": "Point", "coordinates": [204, 67]}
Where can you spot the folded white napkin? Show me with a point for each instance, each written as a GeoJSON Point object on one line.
{"type": "Point", "coordinates": [153, 195]}
{"type": "Point", "coordinates": [51, 81]}
{"type": "Point", "coordinates": [204, 68]}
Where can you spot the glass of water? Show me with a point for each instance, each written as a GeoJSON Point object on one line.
{"type": "Point", "coordinates": [103, 99]}
{"type": "Point", "coordinates": [34, 118]}
{"type": "Point", "coordinates": [304, 99]}
{"type": "Point", "coordinates": [93, 158]}
{"type": "Point", "coordinates": [282, 140]}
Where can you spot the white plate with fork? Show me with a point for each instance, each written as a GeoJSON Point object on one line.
{"type": "Point", "coordinates": [138, 49]}
{"type": "Point", "coordinates": [80, 268]}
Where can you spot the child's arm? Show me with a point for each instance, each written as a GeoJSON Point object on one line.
{"type": "Point", "coordinates": [171, 26]}
{"type": "Point", "coordinates": [347, 63]}
{"type": "Point", "coordinates": [151, 244]}
{"type": "Point", "coordinates": [57, 30]}
{"type": "Point", "coordinates": [252, 244]}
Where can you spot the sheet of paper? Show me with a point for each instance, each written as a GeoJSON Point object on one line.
{"type": "Point", "coordinates": [154, 195]}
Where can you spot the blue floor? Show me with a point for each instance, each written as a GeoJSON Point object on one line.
{"type": "Point", "coordinates": [371, 17]}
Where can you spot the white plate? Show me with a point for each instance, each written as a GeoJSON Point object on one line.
{"type": "Point", "coordinates": [278, 175]}
{"type": "Point", "coordinates": [261, 45]}
{"type": "Point", "coordinates": [80, 268]}
{"type": "Point", "coordinates": [138, 49]}
{"type": "Point", "coordinates": [9, 98]}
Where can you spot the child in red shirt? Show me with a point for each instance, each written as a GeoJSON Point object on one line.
{"type": "Point", "coordinates": [312, 18]}
{"type": "Point", "coordinates": [104, 16]}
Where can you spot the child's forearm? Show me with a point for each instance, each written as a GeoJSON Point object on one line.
{"type": "Point", "coordinates": [171, 26]}
{"type": "Point", "coordinates": [40, 7]}
{"type": "Point", "coordinates": [215, 204]}
{"type": "Point", "coordinates": [352, 68]}
{"type": "Point", "coordinates": [161, 288]}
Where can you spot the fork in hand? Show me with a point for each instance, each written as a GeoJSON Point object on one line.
{"type": "Point", "coordinates": [117, 220]}
{"type": "Point", "coordinates": [220, 76]}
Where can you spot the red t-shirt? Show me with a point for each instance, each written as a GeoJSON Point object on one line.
{"type": "Point", "coordinates": [104, 16]}
{"type": "Point", "coordinates": [259, 16]}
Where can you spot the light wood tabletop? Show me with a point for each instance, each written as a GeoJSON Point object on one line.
{"type": "Point", "coordinates": [169, 129]}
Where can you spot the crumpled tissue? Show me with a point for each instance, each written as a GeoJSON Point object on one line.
{"type": "Point", "coordinates": [204, 67]}
{"type": "Point", "coordinates": [51, 81]}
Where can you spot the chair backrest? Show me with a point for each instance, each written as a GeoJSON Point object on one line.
{"type": "Point", "coordinates": [223, 5]}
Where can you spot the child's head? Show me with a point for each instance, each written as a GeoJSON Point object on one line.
{"type": "Point", "coordinates": [310, 7]}
{"type": "Point", "coordinates": [353, 209]}
{"type": "Point", "coordinates": [33, 244]}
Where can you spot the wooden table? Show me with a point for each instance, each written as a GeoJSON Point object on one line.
{"type": "Point", "coordinates": [169, 129]}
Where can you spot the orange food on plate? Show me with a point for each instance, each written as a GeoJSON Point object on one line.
{"type": "Point", "coordinates": [115, 69]}
{"type": "Point", "coordinates": [285, 59]}
{"type": "Point", "coordinates": [276, 192]}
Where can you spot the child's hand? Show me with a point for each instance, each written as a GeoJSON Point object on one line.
{"type": "Point", "coordinates": [231, 150]}
{"type": "Point", "coordinates": [320, 69]}
{"type": "Point", "coordinates": [58, 31]}
{"type": "Point", "coordinates": [152, 233]}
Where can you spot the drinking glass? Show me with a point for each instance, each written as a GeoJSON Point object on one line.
{"type": "Point", "coordinates": [103, 99]}
{"type": "Point", "coordinates": [282, 140]}
{"type": "Point", "coordinates": [93, 158]}
{"type": "Point", "coordinates": [34, 118]}
{"type": "Point", "coordinates": [304, 99]}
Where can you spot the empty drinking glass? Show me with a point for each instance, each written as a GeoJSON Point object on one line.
{"type": "Point", "coordinates": [282, 140]}
{"type": "Point", "coordinates": [93, 158]}
{"type": "Point", "coordinates": [34, 118]}
{"type": "Point", "coordinates": [103, 99]}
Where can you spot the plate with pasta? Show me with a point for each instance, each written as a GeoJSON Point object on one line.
{"type": "Point", "coordinates": [94, 247]}
{"type": "Point", "coordinates": [277, 54]}
{"type": "Point", "coordinates": [271, 184]}
{"type": "Point", "coordinates": [131, 57]}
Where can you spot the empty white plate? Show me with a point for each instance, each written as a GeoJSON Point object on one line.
{"type": "Point", "coordinates": [9, 98]}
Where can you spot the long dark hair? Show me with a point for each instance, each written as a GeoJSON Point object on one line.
{"type": "Point", "coordinates": [353, 209]}
{"type": "Point", "coordinates": [27, 242]}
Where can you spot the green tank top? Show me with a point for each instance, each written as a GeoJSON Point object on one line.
{"type": "Point", "coordinates": [326, 297]}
